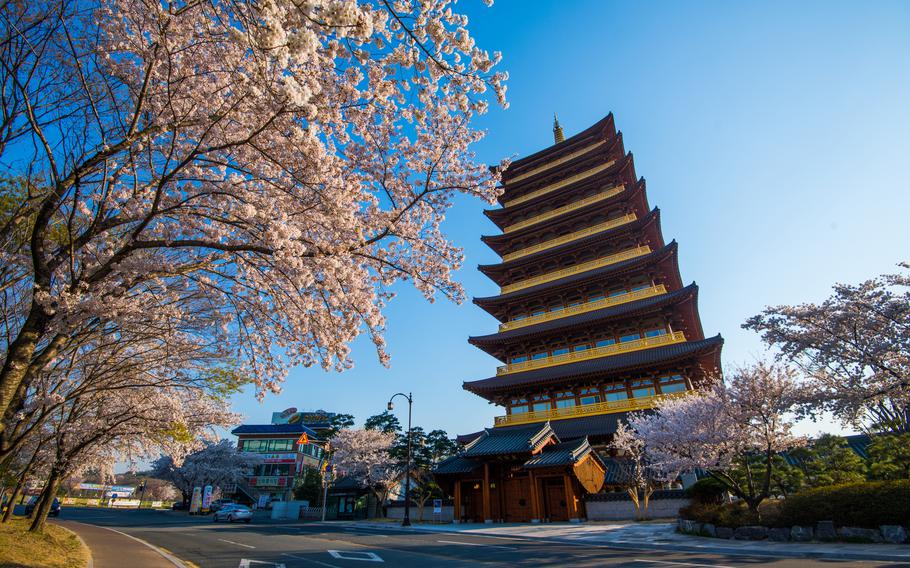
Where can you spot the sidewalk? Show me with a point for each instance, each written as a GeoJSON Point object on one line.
{"type": "Point", "coordinates": [113, 549]}
{"type": "Point", "coordinates": [663, 536]}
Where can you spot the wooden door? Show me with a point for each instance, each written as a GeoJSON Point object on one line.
{"type": "Point", "coordinates": [472, 501]}
{"type": "Point", "coordinates": [555, 500]}
{"type": "Point", "coordinates": [518, 500]}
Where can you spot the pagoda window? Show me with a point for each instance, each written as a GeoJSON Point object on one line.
{"type": "Point", "coordinates": [655, 332]}
{"type": "Point", "coordinates": [616, 395]}
{"type": "Point", "coordinates": [539, 312]}
{"type": "Point", "coordinates": [589, 396]}
{"type": "Point", "coordinates": [565, 403]}
{"type": "Point", "coordinates": [605, 342]}
{"type": "Point", "coordinates": [630, 337]}
{"type": "Point", "coordinates": [541, 406]}
{"type": "Point", "coordinates": [560, 351]}
{"type": "Point", "coordinates": [643, 388]}
{"type": "Point", "coordinates": [519, 359]}
{"type": "Point", "coordinates": [580, 347]}
{"type": "Point", "coordinates": [672, 383]}
{"type": "Point", "coordinates": [540, 355]}
{"type": "Point", "coordinates": [595, 297]}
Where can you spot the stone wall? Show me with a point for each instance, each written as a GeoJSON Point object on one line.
{"type": "Point", "coordinates": [624, 510]}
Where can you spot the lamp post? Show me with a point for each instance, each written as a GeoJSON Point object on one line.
{"type": "Point", "coordinates": [406, 522]}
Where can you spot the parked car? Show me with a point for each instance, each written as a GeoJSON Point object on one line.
{"type": "Point", "coordinates": [233, 512]}
{"type": "Point", "coordinates": [219, 503]}
{"type": "Point", "coordinates": [55, 507]}
{"type": "Point", "coordinates": [179, 506]}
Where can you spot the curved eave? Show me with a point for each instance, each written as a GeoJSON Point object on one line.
{"type": "Point", "coordinates": [624, 165]}
{"type": "Point", "coordinates": [638, 307]}
{"type": "Point", "coordinates": [499, 243]}
{"type": "Point", "coordinates": [648, 358]}
{"type": "Point", "coordinates": [499, 272]}
{"type": "Point", "coordinates": [490, 303]}
{"type": "Point", "coordinates": [604, 126]}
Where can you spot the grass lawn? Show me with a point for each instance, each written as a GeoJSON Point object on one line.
{"type": "Point", "coordinates": [56, 548]}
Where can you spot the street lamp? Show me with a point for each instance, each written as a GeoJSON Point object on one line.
{"type": "Point", "coordinates": [407, 474]}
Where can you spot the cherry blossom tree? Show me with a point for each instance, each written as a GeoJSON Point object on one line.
{"type": "Point", "coordinates": [364, 455]}
{"type": "Point", "coordinates": [741, 418]}
{"type": "Point", "coordinates": [218, 464]}
{"type": "Point", "coordinates": [640, 476]}
{"type": "Point", "coordinates": [854, 347]}
{"type": "Point", "coordinates": [254, 175]}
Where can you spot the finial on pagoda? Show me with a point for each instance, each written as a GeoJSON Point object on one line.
{"type": "Point", "coordinates": [558, 136]}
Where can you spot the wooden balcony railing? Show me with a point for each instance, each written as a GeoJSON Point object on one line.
{"type": "Point", "coordinates": [586, 307]}
{"type": "Point", "coordinates": [629, 405]}
{"type": "Point", "coordinates": [593, 353]}
{"type": "Point", "coordinates": [598, 228]}
{"type": "Point", "coordinates": [564, 209]}
{"type": "Point", "coordinates": [555, 163]}
{"type": "Point", "coordinates": [578, 268]}
{"type": "Point", "coordinates": [559, 184]}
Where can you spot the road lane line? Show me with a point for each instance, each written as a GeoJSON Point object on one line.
{"type": "Point", "coordinates": [309, 560]}
{"type": "Point", "coordinates": [682, 563]}
{"type": "Point", "coordinates": [477, 544]}
{"type": "Point", "coordinates": [237, 543]}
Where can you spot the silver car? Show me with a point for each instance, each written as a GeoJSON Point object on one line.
{"type": "Point", "coordinates": [233, 512]}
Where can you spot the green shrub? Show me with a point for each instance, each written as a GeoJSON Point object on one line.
{"type": "Point", "coordinates": [731, 515]}
{"type": "Point", "coordinates": [707, 490]}
{"type": "Point", "coordinates": [867, 504]}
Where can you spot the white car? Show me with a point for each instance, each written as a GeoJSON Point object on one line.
{"type": "Point", "coordinates": [233, 512]}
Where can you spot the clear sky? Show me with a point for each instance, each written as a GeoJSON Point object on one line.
{"type": "Point", "coordinates": [773, 136]}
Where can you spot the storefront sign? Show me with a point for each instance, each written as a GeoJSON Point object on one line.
{"type": "Point", "coordinates": [269, 481]}
{"type": "Point", "coordinates": [207, 498]}
{"type": "Point", "coordinates": [279, 458]}
{"type": "Point", "coordinates": [196, 501]}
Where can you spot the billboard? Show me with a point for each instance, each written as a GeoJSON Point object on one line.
{"type": "Point", "coordinates": [279, 458]}
{"type": "Point", "coordinates": [292, 416]}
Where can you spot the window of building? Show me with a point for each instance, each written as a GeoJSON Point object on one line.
{"type": "Point", "coordinates": [606, 342]}
{"type": "Point", "coordinates": [518, 317]}
{"type": "Point", "coordinates": [518, 409]}
{"type": "Point", "coordinates": [638, 287]}
{"type": "Point", "coordinates": [519, 359]}
{"type": "Point", "coordinates": [541, 355]}
{"type": "Point", "coordinates": [675, 387]}
{"type": "Point", "coordinates": [643, 388]}
{"type": "Point", "coordinates": [655, 332]}
{"type": "Point", "coordinates": [561, 351]}
{"type": "Point", "coordinates": [541, 406]}
{"type": "Point", "coordinates": [616, 395]}
{"type": "Point", "coordinates": [589, 395]}
{"type": "Point", "coordinates": [580, 347]}
{"type": "Point", "coordinates": [629, 337]}
{"type": "Point", "coordinates": [565, 399]}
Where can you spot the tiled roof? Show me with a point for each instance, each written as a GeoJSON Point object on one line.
{"type": "Point", "coordinates": [616, 474]}
{"type": "Point", "coordinates": [456, 464]}
{"type": "Point", "coordinates": [566, 453]}
{"type": "Point", "coordinates": [529, 162]}
{"type": "Point", "coordinates": [598, 273]}
{"type": "Point", "coordinates": [275, 429]}
{"type": "Point", "coordinates": [468, 438]}
{"type": "Point", "coordinates": [497, 441]}
{"type": "Point", "coordinates": [546, 375]}
{"type": "Point", "coordinates": [498, 271]}
{"type": "Point", "coordinates": [595, 316]}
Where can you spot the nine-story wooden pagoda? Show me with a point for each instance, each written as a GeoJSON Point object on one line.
{"type": "Point", "coordinates": [595, 322]}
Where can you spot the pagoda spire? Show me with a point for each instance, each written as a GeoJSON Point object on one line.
{"type": "Point", "coordinates": [558, 136]}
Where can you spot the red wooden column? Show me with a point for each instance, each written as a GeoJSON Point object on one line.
{"type": "Point", "coordinates": [535, 499]}
{"type": "Point", "coordinates": [456, 514]}
{"type": "Point", "coordinates": [487, 514]}
{"type": "Point", "coordinates": [571, 503]}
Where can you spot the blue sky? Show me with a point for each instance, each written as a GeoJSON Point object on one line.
{"type": "Point", "coordinates": [773, 136]}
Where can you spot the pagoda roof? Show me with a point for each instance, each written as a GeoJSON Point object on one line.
{"type": "Point", "coordinates": [498, 272]}
{"type": "Point", "coordinates": [500, 241]}
{"type": "Point", "coordinates": [595, 367]}
{"type": "Point", "coordinates": [601, 128]}
{"type": "Point", "coordinates": [502, 215]}
{"type": "Point", "coordinates": [494, 441]}
{"type": "Point", "coordinates": [562, 454]}
{"type": "Point", "coordinates": [456, 464]}
{"type": "Point", "coordinates": [491, 303]}
{"type": "Point", "coordinates": [644, 305]}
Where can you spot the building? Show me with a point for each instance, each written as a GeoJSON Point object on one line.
{"type": "Point", "coordinates": [285, 459]}
{"type": "Point", "coordinates": [595, 322]}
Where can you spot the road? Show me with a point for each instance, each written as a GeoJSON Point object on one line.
{"type": "Point", "coordinates": [344, 545]}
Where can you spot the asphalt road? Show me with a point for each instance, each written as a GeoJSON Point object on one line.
{"type": "Point", "coordinates": [263, 544]}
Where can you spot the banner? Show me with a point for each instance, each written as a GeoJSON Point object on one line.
{"type": "Point", "coordinates": [207, 498]}
{"type": "Point", "coordinates": [196, 501]}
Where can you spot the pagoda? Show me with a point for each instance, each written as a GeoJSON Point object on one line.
{"type": "Point", "coordinates": [595, 322]}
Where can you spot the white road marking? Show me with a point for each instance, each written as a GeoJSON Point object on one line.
{"type": "Point", "coordinates": [477, 544]}
{"type": "Point", "coordinates": [237, 543]}
{"type": "Point", "coordinates": [682, 563]}
{"type": "Point", "coordinates": [309, 560]}
{"type": "Point", "coordinates": [246, 563]}
{"type": "Point", "coordinates": [346, 555]}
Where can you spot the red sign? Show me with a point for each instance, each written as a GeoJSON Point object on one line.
{"type": "Point", "coordinates": [304, 439]}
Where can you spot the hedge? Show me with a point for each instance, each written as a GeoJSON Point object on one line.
{"type": "Point", "coordinates": [864, 504]}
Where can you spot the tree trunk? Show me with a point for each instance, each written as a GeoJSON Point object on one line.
{"type": "Point", "coordinates": [43, 507]}
{"type": "Point", "coordinates": [646, 502]}
{"type": "Point", "coordinates": [12, 499]}
{"type": "Point", "coordinates": [633, 494]}
{"type": "Point", "coordinates": [19, 356]}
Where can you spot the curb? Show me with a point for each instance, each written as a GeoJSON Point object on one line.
{"type": "Point", "coordinates": [90, 563]}
{"type": "Point", "coordinates": [165, 554]}
{"type": "Point", "coordinates": [649, 545]}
